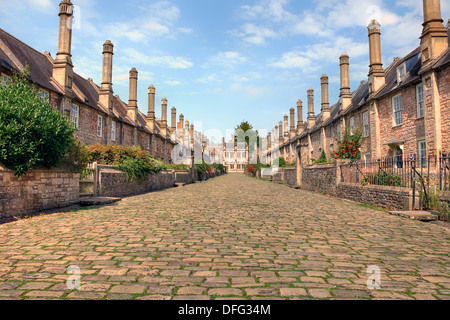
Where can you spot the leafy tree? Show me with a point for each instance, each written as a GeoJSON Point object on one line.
{"type": "Point", "coordinates": [32, 132]}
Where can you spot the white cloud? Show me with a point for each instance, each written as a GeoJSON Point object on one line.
{"type": "Point", "coordinates": [225, 59]}
{"type": "Point", "coordinates": [132, 55]}
{"type": "Point", "coordinates": [254, 34]}
{"type": "Point", "coordinates": [173, 83]}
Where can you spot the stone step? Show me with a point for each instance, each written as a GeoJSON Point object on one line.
{"type": "Point", "coordinates": [97, 201]}
{"type": "Point", "coordinates": [416, 215]}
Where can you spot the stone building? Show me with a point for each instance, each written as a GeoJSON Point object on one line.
{"type": "Point", "coordinates": [100, 116]}
{"type": "Point", "coordinates": [404, 109]}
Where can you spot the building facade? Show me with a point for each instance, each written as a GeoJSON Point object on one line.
{"type": "Point", "coordinates": [99, 116]}
{"type": "Point", "coordinates": [403, 109]}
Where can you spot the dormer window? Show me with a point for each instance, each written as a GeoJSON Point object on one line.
{"type": "Point", "coordinates": [5, 79]}
{"type": "Point", "coordinates": [401, 72]}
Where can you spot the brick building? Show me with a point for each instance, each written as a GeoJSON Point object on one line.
{"type": "Point", "coordinates": [404, 109]}
{"type": "Point", "coordinates": [100, 116]}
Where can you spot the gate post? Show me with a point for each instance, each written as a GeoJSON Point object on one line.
{"type": "Point", "coordinates": [96, 178]}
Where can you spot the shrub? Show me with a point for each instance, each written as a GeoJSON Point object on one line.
{"type": "Point", "coordinates": [32, 132]}
{"type": "Point", "coordinates": [177, 167]}
{"type": "Point", "coordinates": [281, 162]}
{"type": "Point", "coordinates": [219, 167]}
{"type": "Point", "coordinates": [322, 159]}
{"type": "Point", "coordinates": [350, 146]}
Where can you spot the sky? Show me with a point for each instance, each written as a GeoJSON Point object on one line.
{"type": "Point", "coordinates": [223, 62]}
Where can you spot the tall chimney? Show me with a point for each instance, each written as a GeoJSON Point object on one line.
{"type": "Point", "coordinates": [269, 142]}
{"type": "Point", "coordinates": [174, 120]}
{"type": "Point", "coordinates": [299, 116]}
{"type": "Point", "coordinates": [376, 73]}
{"type": "Point", "coordinates": [346, 96]}
{"type": "Point", "coordinates": [181, 121]}
{"type": "Point", "coordinates": [62, 66]}
{"type": "Point", "coordinates": [164, 116]}
{"type": "Point", "coordinates": [326, 112]}
{"type": "Point", "coordinates": [151, 108]}
{"type": "Point", "coordinates": [434, 38]}
{"type": "Point", "coordinates": [311, 117]}
{"type": "Point", "coordinates": [286, 128]}
{"type": "Point", "coordinates": [132, 101]}
{"type": "Point", "coordinates": [292, 114]}
{"type": "Point", "coordinates": [280, 132]}
{"type": "Point", "coordinates": [187, 125]}
{"type": "Point", "coordinates": [106, 91]}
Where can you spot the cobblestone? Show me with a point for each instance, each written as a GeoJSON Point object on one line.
{"type": "Point", "coordinates": [232, 237]}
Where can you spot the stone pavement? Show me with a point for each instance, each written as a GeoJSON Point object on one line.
{"type": "Point", "coordinates": [232, 237]}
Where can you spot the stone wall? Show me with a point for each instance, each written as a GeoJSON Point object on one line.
{"type": "Point", "coordinates": [290, 176]}
{"type": "Point", "coordinates": [38, 190]}
{"type": "Point", "coordinates": [320, 178]}
{"type": "Point", "coordinates": [114, 183]}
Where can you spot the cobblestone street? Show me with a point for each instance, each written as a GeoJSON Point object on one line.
{"type": "Point", "coordinates": [232, 237]}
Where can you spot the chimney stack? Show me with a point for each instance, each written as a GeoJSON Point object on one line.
{"type": "Point", "coordinates": [181, 121]}
{"type": "Point", "coordinates": [376, 73]}
{"type": "Point", "coordinates": [326, 112]}
{"type": "Point", "coordinates": [286, 128]}
{"type": "Point", "coordinates": [106, 91]}
{"type": "Point", "coordinates": [280, 132]}
{"type": "Point", "coordinates": [346, 95]}
{"type": "Point", "coordinates": [164, 117]}
{"type": "Point", "coordinates": [151, 108]}
{"type": "Point", "coordinates": [292, 111]}
{"type": "Point", "coordinates": [62, 66]}
{"type": "Point", "coordinates": [132, 101]}
{"type": "Point", "coordinates": [311, 117]}
{"type": "Point", "coordinates": [299, 116]}
{"type": "Point", "coordinates": [174, 120]}
{"type": "Point", "coordinates": [434, 38]}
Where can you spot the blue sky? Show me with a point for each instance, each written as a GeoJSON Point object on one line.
{"type": "Point", "coordinates": [221, 62]}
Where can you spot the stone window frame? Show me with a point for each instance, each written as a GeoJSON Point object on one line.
{"type": "Point", "coordinates": [148, 142]}
{"type": "Point", "coordinates": [396, 112]}
{"type": "Point", "coordinates": [420, 103]}
{"type": "Point", "coordinates": [44, 95]}
{"type": "Point", "coordinates": [366, 123]}
{"type": "Point", "coordinates": [352, 124]}
{"type": "Point", "coordinates": [113, 130]}
{"type": "Point", "coordinates": [99, 126]}
{"type": "Point", "coordinates": [75, 115]}
{"type": "Point", "coordinates": [338, 132]}
{"type": "Point", "coordinates": [155, 145]}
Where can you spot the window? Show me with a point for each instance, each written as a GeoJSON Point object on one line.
{"type": "Point", "coordinates": [366, 124]}
{"type": "Point", "coordinates": [398, 113]}
{"type": "Point", "coordinates": [75, 115]}
{"type": "Point", "coordinates": [367, 157]}
{"type": "Point", "coordinates": [43, 95]}
{"type": "Point", "coordinates": [148, 143]}
{"type": "Point", "coordinates": [113, 131]}
{"type": "Point", "coordinates": [338, 132]}
{"type": "Point", "coordinates": [99, 126]}
{"type": "Point", "coordinates": [5, 79]}
{"type": "Point", "coordinates": [423, 154]}
{"type": "Point", "coordinates": [420, 101]}
{"type": "Point", "coordinates": [155, 145]}
{"type": "Point", "coordinates": [398, 154]}
{"type": "Point", "coordinates": [401, 72]}
{"type": "Point", "coordinates": [352, 125]}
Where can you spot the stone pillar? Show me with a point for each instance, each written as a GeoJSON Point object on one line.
{"type": "Point", "coordinates": [299, 116]}
{"type": "Point", "coordinates": [151, 108]}
{"type": "Point", "coordinates": [292, 129]}
{"type": "Point", "coordinates": [106, 91]}
{"type": "Point", "coordinates": [345, 96]}
{"type": "Point", "coordinates": [62, 66]}
{"type": "Point", "coordinates": [132, 103]}
{"type": "Point", "coordinates": [164, 117]}
{"type": "Point", "coordinates": [376, 73]}
{"type": "Point", "coordinates": [311, 117]}
{"type": "Point", "coordinates": [434, 38]}
{"type": "Point", "coordinates": [326, 112]}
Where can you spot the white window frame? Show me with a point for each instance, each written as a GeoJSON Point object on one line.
{"type": "Point", "coordinates": [44, 95]}
{"type": "Point", "coordinates": [401, 77]}
{"type": "Point", "coordinates": [99, 126]}
{"type": "Point", "coordinates": [420, 98]}
{"type": "Point", "coordinates": [113, 130]}
{"type": "Point", "coordinates": [422, 153]}
{"type": "Point", "coordinates": [366, 123]}
{"type": "Point", "coordinates": [397, 111]}
{"type": "Point", "coordinates": [75, 115]}
{"type": "Point", "coordinates": [148, 142]}
{"type": "Point", "coordinates": [5, 78]}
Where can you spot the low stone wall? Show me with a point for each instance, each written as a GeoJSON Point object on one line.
{"type": "Point", "coordinates": [37, 191]}
{"type": "Point", "coordinates": [290, 176]}
{"type": "Point", "coordinates": [183, 177]}
{"type": "Point", "coordinates": [113, 183]}
{"type": "Point", "coordinates": [320, 178]}
{"type": "Point", "coordinates": [393, 198]}
{"type": "Point", "coordinates": [279, 176]}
